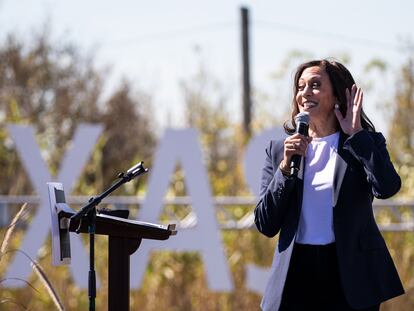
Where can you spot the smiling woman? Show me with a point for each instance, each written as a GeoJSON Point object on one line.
{"type": "Point", "coordinates": [330, 254]}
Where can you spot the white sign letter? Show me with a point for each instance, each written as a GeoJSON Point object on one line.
{"type": "Point", "coordinates": [182, 146]}
{"type": "Point", "coordinates": [76, 157]}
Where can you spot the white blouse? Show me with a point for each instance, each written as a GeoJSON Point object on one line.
{"type": "Point", "coordinates": [316, 218]}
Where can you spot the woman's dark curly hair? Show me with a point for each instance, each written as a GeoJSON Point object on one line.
{"type": "Point", "coordinates": [341, 79]}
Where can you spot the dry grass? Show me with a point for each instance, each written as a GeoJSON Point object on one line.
{"type": "Point", "coordinates": [35, 266]}
{"type": "Point", "coordinates": [10, 229]}
{"type": "Point", "coordinates": [47, 284]}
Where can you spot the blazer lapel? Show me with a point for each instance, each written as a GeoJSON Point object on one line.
{"type": "Point", "coordinates": [340, 168]}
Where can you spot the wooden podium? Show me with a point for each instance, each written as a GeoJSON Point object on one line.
{"type": "Point", "coordinates": [125, 237]}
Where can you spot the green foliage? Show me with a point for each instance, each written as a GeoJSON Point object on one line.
{"type": "Point", "coordinates": [401, 141]}
{"type": "Point", "coordinates": [54, 88]}
{"type": "Point", "coordinates": [377, 64]}
{"type": "Point", "coordinates": [401, 147]}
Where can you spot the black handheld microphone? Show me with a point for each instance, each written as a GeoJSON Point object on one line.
{"type": "Point", "coordinates": [302, 126]}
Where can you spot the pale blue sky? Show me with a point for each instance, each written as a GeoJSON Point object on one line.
{"type": "Point", "coordinates": [153, 42]}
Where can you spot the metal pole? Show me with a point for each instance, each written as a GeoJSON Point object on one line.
{"type": "Point", "coordinates": [247, 103]}
{"type": "Point", "coordinates": [92, 275]}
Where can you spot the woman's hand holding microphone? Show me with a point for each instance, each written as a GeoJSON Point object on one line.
{"type": "Point", "coordinates": [295, 144]}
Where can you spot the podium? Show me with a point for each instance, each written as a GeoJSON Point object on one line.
{"type": "Point", "coordinates": [125, 237]}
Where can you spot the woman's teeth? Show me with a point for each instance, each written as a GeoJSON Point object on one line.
{"type": "Point", "coordinates": [309, 105]}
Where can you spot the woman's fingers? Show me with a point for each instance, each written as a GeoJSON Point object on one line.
{"type": "Point", "coordinates": [297, 144]}
{"type": "Point", "coordinates": [350, 98]}
{"type": "Point", "coordinates": [351, 122]}
{"type": "Point", "coordinates": [358, 99]}
{"type": "Point", "coordinates": [354, 89]}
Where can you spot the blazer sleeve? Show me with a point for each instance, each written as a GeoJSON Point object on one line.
{"type": "Point", "coordinates": [274, 191]}
{"type": "Point", "coordinates": [369, 148]}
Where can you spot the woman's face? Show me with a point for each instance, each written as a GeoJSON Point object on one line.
{"type": "Point", "coordinates": [315, 94]}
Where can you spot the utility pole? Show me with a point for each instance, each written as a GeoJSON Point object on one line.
{"type": "Point", "coordinates": [247, 102]}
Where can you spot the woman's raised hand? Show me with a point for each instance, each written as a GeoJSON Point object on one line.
{"type": "Point", "coordinates": [351, 123]}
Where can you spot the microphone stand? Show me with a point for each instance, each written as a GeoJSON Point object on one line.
{"type": "Point", "coordinates": [88, 213]}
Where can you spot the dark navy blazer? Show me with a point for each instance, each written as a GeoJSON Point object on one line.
{"type": "Point", "coordinates": [363, 170]}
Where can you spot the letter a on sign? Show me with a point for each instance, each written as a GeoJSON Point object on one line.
{"type": "Point", "coordinates": [181, 146]}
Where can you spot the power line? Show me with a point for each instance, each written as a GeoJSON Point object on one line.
{"type": "Point", "coordinates": [220, 26]}
{"type": "Point", "coordinates": [322, 34]}
{"type": "Point", "coordinates": [149, 38]}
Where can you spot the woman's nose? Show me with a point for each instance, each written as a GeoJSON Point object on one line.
{"type": "Point", "coordinates": [307, 90]}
